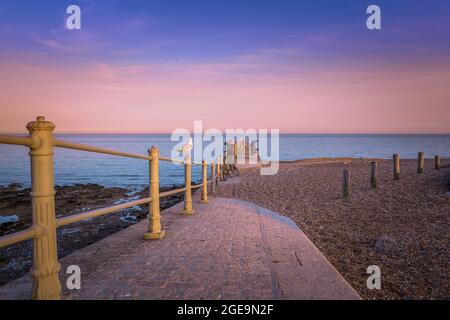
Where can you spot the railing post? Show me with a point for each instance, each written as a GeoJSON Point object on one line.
{"type": "Point", "coordinates": [46, 285]}
{"type": "Point", "coordinates": [217, 178]}
{"type": "Point", "coordinates": [223, 165]}
{"type": "Point", "coordinates": [154, 227]}
{"type": "Point", "coordinates": [257, 149]}
{"type": "Point", "coordinates": [188, 193]}
{"type": "Point", "coordinates": [235, 151]}
{"type": "Point", "coordinates": [204, 198]}
{"type": "Point", "coordinates": [396, 167]}
{"type": "Point", "coordinates": [420, 162]}
{"type": "Point", "coordinates": [219, 171]}
{"type": "Point", "coordinates": [225, 152]}
{"type": "Point", "coordinates": [213, 177]}
{"type": "Point", "coordinates": [437, 162]}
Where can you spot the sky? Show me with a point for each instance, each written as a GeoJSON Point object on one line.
{"type": "Point", "coordinates": [155, 66]}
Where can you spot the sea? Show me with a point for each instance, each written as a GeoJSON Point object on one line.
{"type": "Point", "coordinates": [78, 167]}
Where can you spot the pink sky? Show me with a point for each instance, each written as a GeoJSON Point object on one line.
{"type": "Point", "coordinates": [245, 92]}
{"type": "Point", "coordinates": [297, 66]}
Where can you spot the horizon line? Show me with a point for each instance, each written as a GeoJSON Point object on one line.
{"type": "Point", "coordinates": [281, 133]}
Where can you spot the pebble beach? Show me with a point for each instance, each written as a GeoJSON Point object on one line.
{"type": "Point", "coordinates": [402, 226]}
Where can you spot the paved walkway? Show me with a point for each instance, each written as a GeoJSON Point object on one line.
{"type": "Point", "coordinates": [229, 249]}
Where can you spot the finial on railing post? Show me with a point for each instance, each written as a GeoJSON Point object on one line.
{"type": "Point", "coordinates": [204, 198]}
{"type": "Point", "coordinates": [187, 182]}
{"type": "Point", "coordinates": [154, 228]}
{"type": "Point", "coordinates": [46, 285]}
{"type": "Point", "coordinates": [213, 177]}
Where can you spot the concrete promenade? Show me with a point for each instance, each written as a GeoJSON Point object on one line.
{"type": "Point", "coordinates": [229, 249]}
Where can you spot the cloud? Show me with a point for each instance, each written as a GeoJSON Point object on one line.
{"type": "Point", "coordinates": [111, 88]}
{"type": "Point", "coordinates": [53, 44]}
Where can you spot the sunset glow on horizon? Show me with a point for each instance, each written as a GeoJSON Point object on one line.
{"type": "Point", "coordinates": [152, 67]}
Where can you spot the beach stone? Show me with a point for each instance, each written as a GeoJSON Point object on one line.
{"type": "Point", "coordinates": [385, 244]}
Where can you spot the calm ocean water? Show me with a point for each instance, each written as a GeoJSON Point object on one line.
{"type": "Point", "coordinates": [82, 167]}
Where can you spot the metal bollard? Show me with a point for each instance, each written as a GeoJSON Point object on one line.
{"type": "Point", "coordinates": [154, 227]}
{"type": "Point", "coordinates": [204, 198]}
{"type": "Point", "coordinates": [46, 284]}
{"type": "Point", "coordinates": [188, 193]}
{"type": "Point", "coordinates": [213, 177]}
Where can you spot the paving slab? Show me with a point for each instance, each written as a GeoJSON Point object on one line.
{"type": "Point", "coordinates": [229, 249]}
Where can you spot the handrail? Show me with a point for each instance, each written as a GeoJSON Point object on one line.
{"type": "Point", "coordinates": [177, 161]}
{"type": "Point", "coordinates": [84, 147]}
{"type": "Point", "coordinates": [20, 141]}
{"type": "Point", "coordinates": [46, 284]}
{"type": "Point", "coordinates": [171, 192]}
{"type": "Point", "coordinates": [88, 148]}
{"type": "Point", "coordinates": [20, 236]}
{"type": "Point", "coordinates": [171, 160]}
{"type": "Point", "coordinates": [99, 212]}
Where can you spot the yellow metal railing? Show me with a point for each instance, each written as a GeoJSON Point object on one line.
{"type": "Point", "coordinates": [46, 284]}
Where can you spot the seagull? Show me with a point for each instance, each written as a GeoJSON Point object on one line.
{"type": "Point", "coordinates": [186, 149]}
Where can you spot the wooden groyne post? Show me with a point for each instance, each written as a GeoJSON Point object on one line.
{"type": "Point", "coordinates": [154, 227]}
{"type": "Point", "coordinates": [437, 162]}
{"type": "Point", "coordinates": [420, 162]}
{"type": "Point", "coordinates": [396, 167]}
{"type": "Point", "coordinates": [373, 174]}
{"type": "Point", "coordinates": [346, 183]}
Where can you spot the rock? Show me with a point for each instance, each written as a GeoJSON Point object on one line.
{"type": "Point", "coordinates": [384, 244]}
{"type": "Point", "coordinates": [8, 219]}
